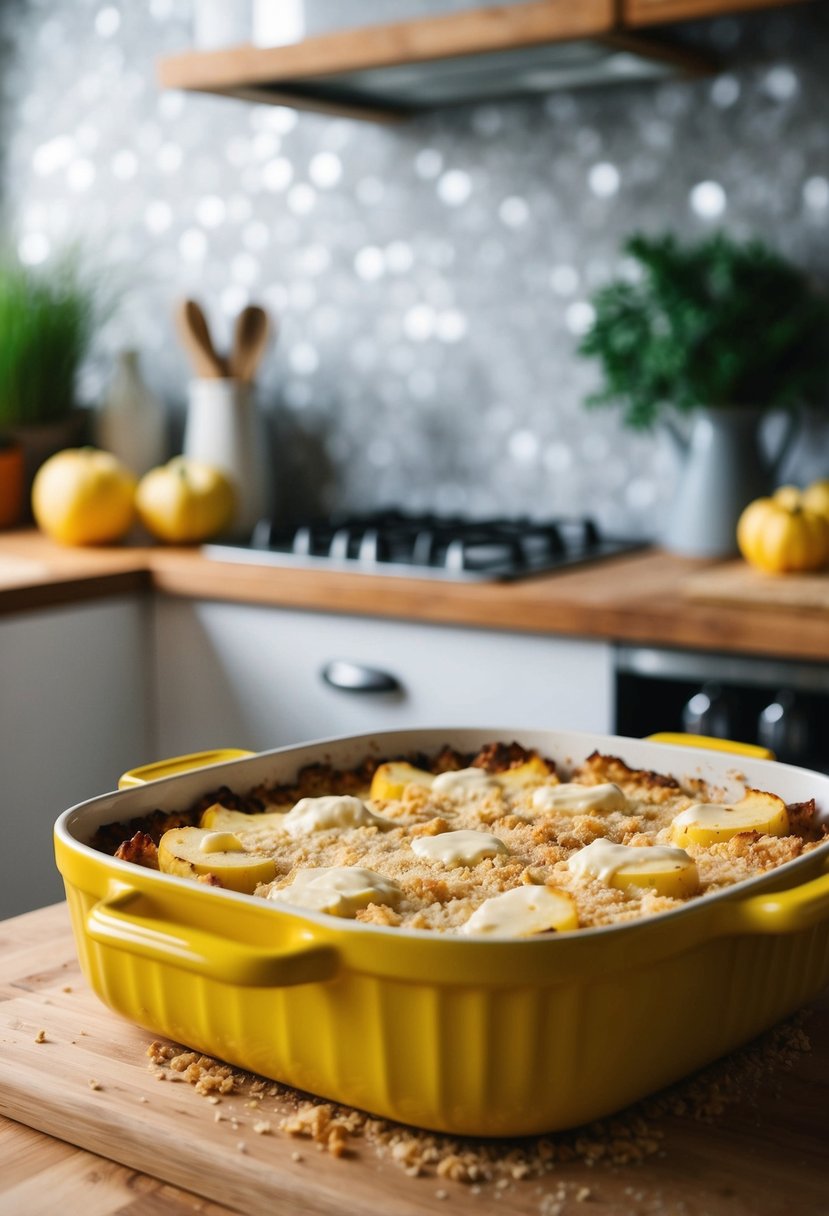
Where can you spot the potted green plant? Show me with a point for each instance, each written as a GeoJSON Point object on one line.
{"type": "Point", "coordinates": [46, 320]}
{"type": "Point", "coordinates": [721, 332]}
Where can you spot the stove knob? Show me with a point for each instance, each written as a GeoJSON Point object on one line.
{"type": "Point", "coordinates": [784, 727]}
{"type": "Point", "coordinates": [707, 713]}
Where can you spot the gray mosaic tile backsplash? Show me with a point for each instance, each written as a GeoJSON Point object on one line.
{"type": "Point", "coordinates": [431, 280]}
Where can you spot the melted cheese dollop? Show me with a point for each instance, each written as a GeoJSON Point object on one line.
{"type": "Point", "coordinates": [464, 781]}
{"type": "Point", "coordinates": [331, 811]}
{"type": "Point", "coordinates": [573, 799]}
{"type": "Point", "coordinates": [523, 912]}
{"type": "Point", "coordinates": [338, 890]}
{"type": "Point", "coordinates": [220, 842]}
{"type": "Point", "coordinates": [463, 848]}
{"type": "Point", "coordinates": [705, 823]}
{"type": "Point", "coordinates": [604, 860]}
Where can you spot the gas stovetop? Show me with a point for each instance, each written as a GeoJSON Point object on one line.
{"type": "Point", "coordinates": [428, 546]}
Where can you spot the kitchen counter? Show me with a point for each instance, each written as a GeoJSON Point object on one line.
{"type": "Point", "coordinates": [87, 1127]}
{"type": "Point", "coordinates": [636, 598]}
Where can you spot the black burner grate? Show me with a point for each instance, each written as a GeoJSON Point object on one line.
{"type": "Point", "coordinates": [435, 546]}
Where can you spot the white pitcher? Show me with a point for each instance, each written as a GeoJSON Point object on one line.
{"type": "Point", "coordinates": [724, 468]}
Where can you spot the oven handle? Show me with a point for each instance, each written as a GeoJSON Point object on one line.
{"type": "Point", "coordinates": [346, 676]}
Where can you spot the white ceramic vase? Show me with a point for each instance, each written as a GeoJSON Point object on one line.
{"type": "Point", "coordinates": [131, 422]}
{"type": "Point", "coordinates": [224, 428]}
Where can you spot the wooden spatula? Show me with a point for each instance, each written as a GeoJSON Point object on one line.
{"type": "Point", "coordinates": [195, 336]}
{"type": "Point", "coordinates": [250, 339]}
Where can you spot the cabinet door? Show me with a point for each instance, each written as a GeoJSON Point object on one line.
{"type": "Point", "coordinates": [73, 705]}
{"type": "Point", "coordinates": [239, 675]}
{"type": "Point", "coordinates": [654, 12]}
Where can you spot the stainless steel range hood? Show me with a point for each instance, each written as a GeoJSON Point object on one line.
{"type": "Point", "coordinates": [392, 71]}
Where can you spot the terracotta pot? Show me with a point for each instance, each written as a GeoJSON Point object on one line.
{"type": "Point", "coordinates": [11, 484]}
{"type": "Point", "coordinates": [38, 443]}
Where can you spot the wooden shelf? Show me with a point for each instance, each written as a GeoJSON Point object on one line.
{"type": "Point", "coordinates": [389, 72]}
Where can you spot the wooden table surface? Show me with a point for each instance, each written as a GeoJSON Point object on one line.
{"type": "Point", "coordinates": [764, 1155]}
{"type": "Point", "coordinates": [646, 597]}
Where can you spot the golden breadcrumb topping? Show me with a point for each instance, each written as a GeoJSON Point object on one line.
{"type": "Point", "coordinates": [534, 840]}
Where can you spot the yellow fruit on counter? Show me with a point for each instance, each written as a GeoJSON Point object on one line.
{"type": "Point", "coordinates": [788, 496]}
{"type": "Point", "coordinates": [816, 498]}
{"type": "Point", "coordinates": [83, 496]}
{"type": "Point", "coordinates": [185, 501]}
{"type": "Point", "coordinates": [780, 537]}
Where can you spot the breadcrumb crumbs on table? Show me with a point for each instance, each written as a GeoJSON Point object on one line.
{"type": "Point", "coordinates": [627, 1139]}
{"type": "Point", "coordinates": [93, 1084]}
{"type": "Point", "coordinates": [40, 1037]}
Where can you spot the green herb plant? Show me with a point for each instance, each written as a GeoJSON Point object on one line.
{"type": "Point", "coordinates": [46, 320]}
{"type": "Point", "coordinates": [718, 323]}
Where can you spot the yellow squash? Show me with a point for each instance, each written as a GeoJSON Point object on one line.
{"type": "Point", "coordinates": [779, 535]}
{"type": "Point", "coordinates": [185, 501]}
{"type": "Point", "coordinates": [816, 498]}
{"type": "Point", "coordinates": [83, 496]}
{"type": "Point", "coordinates": [195, 853]}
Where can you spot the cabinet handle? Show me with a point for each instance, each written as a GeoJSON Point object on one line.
{"type": "Point", "coordinates": [356, 677]}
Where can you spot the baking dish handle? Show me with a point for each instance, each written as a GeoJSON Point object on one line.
{"type": "Point", "coordinates": [712, 744]}
{"type": "Point", "coordinates": [120, 921]}
{"type": "Point", "coordinates": [800, 907]}
{"type": "Point", "coordinates": [179, 764]}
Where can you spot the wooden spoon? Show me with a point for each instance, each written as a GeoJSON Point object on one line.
{"type": "Point", "coordinates": [195, 335]}
{"type": "Point", "coordinates": [249, 341]}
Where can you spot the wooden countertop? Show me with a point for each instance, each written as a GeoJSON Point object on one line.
{"type": "Point", "coordinates": [638, 598]}
{"type": "Point", "coordinates": [85, 1127]}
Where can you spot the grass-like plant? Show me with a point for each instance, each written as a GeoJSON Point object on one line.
{"type": "Point", "coordinates": [717, 323]}
{"type": "Point", "coordinates": [46, 320]}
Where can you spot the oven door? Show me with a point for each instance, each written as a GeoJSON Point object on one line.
{"type": "Point", "coordinates": [774, 703]}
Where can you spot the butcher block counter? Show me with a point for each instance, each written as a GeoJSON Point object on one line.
{"type": "Point", "coordinates": [85, 1126]}
{"type": "Point", "coordinates": [648, 597]}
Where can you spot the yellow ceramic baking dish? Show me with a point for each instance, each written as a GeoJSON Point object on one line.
{"type": "Point", "coordinates": [490, 1038]}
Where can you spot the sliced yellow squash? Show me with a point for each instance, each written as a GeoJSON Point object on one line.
{"type": "Point", "coordinates": [218, 818]}
{"type": "Point", "coordinates": [194, 853]}
{"type": "Point", "coordinates": [531, 772]}
{"type": "Point", "coordinates": [391, 779]}
{"type": "Point", "coordinates": [707, 823]}
{"type": "Point", "coordinates": [678, 879]}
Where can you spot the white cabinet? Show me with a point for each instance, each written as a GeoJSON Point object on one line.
{"type": "Point", "coordinates": [74, 707]}
{"type": "Point", "coordinates": [245, 676]}
{"type": "Point", "coordinates": [91, 690]}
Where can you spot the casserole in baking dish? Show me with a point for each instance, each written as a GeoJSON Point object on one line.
{"type": "Point", "coordinates": [456, 1032]}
